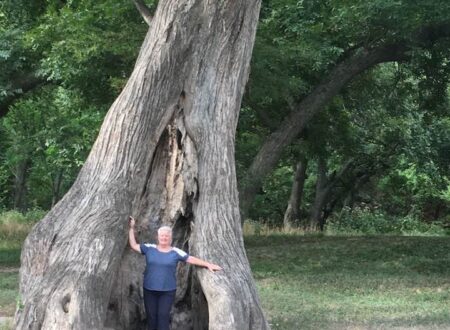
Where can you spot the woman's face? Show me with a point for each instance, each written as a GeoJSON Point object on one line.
{"type": "Point", "coordinates": [164, 238]}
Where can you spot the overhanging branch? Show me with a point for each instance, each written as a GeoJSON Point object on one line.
{"type": "Point", "coordinates": [430, 34]}
{"type": "Point", "coordinates": [144, 10]}
{"type": "Point", "coordinates": [23, 83]}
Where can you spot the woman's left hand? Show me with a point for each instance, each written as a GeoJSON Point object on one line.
{"type": "Point", "coordinates": [213, 268]}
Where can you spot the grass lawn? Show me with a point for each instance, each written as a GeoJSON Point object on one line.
{"type": "Point", "coordinates": [312, 282]}
{"type": "Point", "coordinates": [9, 276]}
{"type": "Point", "coordinates": [381, 282]}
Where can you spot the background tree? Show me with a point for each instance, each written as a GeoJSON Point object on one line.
{"type": "Point", "coordinates": [398, 36]}
{"type": "Point", "coordinates": [81, 54]}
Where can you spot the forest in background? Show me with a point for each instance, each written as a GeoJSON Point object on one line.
{"type": "Point", "coordinates": [345, 120]}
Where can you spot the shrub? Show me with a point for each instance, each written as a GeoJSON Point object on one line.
{"type": "Point", "coordinates": [363, 220]}
{"type": "Point", "coordinates": [11, 217]}
{"type": "Point", "coordinates": [14, 216]}
{"type": "Point", "coordinates": [34, 215]}
{"type": "Point", "coordinates": [15, 226]}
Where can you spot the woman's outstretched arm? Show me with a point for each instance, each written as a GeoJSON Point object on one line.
{"type": "Point", "coordinates": [199, 262]}
{"type": "Point", "coordinates": [131, 239]}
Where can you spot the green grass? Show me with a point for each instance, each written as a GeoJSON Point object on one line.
{"type": "Point", "coordinates": [9, 276]}
{"type": "Point", "coordinates": [352, 282]}
{"type": "Point", "coordinates": [10, 254]}
{"type": "Point", "coordinates": [9, 286]}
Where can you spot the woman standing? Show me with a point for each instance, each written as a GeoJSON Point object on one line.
{"type": "Point", "coordinates": [160, 274]}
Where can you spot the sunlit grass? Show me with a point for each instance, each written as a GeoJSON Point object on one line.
{"type": "Point", "coordinates": [352, 282]}
{"type": "Point", "coordinates": [316, 281]}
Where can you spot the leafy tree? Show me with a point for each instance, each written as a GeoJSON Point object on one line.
{"type": "Point", "coordinates": [354, 49]}
{"type": "Point", "coordinates": [48, 137]}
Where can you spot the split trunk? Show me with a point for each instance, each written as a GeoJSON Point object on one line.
{"type": "Point", "coordinates": [165, 154]}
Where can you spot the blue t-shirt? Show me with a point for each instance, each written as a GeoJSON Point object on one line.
{"type": "Point", "coordinates": [160, 271]}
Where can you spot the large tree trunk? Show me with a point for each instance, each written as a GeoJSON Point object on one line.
{"type": "Point", "coordinates": [293, 209]}
{"type": "Point", "coordinates": [294, 124]}
{"type": "Point", "coordinates": [165, 153]}
{"type": "Point", "coordinates": [20, 184]}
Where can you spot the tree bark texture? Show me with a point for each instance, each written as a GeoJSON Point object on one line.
{"type": "Point", "coordinates": [165, 154]}
{"type": "Point", "coordinates": [293, 209]}
{"type": "Point", "coordinates": [269, 154]}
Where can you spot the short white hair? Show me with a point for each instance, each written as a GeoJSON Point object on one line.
{"type": "Point", "coordinates": [166, 229]}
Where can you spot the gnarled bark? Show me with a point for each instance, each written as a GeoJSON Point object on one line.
{"type": "Point", "coordinates": [165, 154]}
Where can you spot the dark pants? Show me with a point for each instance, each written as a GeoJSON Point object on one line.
{"type": "Point", "coordinates": [157, 306]}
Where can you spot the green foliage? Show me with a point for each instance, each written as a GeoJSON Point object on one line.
{"type": "Point", "coordinates": [14, 227]}
{"type": "Point", "coordinates": [249, 139]}
{"type": "Point", "coordinates": [270, 206]}
{"type": "Point", "coordinates": [388, 119]}
{"type": "Point", "coordinates": [80, 53]}
{"type": "Point", "coordinates": [393, 120]}
{"type": "Point", "coordinates": [363, 220]}
{"type": "Point", "coordinates": [84, 44]}
{"type": "Point", "coordinates": [54, 129]}
{"type": "Point", "coordinates": [12, 216]}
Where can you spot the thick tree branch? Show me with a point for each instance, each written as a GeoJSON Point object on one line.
{"type": "Point", "coordinates": [23, 83]}
{"type": "Point", "coordinates": [295, 123]}
{"type": "Point", "coordinates": [144, 10]}
{"type": "Point", "coordinates": [344, 169]}
{"type": "Point", "coordinates": [428, 35]}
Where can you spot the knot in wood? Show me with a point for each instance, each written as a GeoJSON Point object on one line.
{"type": "Point", "coordinates": [65, 303]}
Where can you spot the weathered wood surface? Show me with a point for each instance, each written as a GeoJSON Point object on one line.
{"type": "Point", "coordinates": [165, 154]}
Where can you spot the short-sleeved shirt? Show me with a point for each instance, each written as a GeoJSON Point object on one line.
{"type": "Point", "coordinates": [160, 271]}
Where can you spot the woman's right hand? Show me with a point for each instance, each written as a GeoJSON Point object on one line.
{"type": "Point", "coordinates": [131, 222]}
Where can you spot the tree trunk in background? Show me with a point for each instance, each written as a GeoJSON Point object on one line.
{"type": "Point", "coordinates": [293, 209]}
{"type": "Point", "coordinates": [56, 186]}
{"type": "Point", "coordinates": [324, 185]}
{"type": "Point", "coordinates": [20, 185]}
{"type": "Point", "coordinates": [165, 154]}
{"type": "Point", "coordinates": [269, 154]}
{"type": "Point", "coordinates": [322, 191]}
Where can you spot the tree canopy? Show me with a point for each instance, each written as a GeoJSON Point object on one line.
{"type": "Point", "coordinates": [63, 63]}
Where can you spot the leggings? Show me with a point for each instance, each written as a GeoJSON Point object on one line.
{"type": "Point", "coordinates": [157, 307]}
